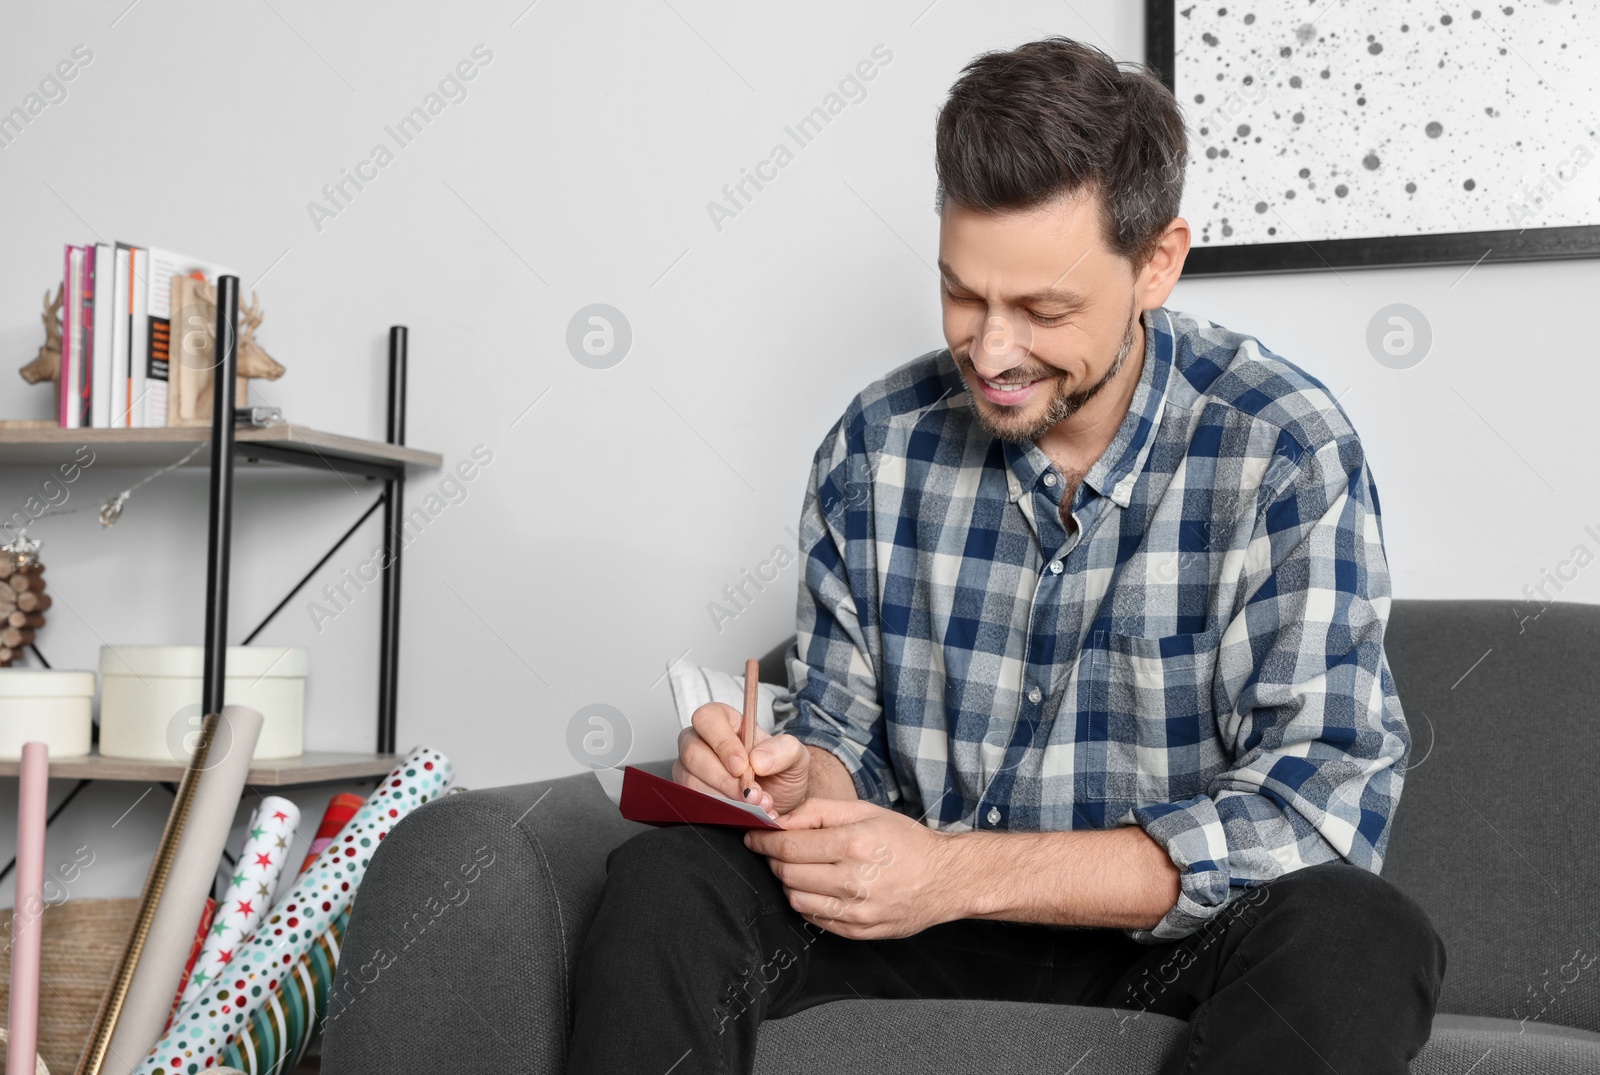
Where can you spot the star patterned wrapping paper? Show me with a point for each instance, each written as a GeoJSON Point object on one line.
{"type": "Point", "coordinates": [267, 845]}
{"type": "Point", "coordinates": [220, 1013]}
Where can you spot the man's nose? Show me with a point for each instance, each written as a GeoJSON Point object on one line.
{"type": "Point", "coordinates": [1000, 343]}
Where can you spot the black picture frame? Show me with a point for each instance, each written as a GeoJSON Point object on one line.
{"type": "Point", "coordinates": [1453, 248]}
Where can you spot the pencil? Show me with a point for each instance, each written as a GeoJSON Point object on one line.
{"type": "Point", "coordinates": [747, 729]}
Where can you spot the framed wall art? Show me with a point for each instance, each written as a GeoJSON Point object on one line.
{"type": "Point", "coordinates": [1361, 133]}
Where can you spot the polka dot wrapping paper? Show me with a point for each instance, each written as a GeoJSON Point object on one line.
{"type": "Point", "coordinates": [284, 1026]}
{"type": "Point", "coordinates": [211, 1021]}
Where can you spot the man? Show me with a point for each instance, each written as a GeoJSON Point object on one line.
{"type": "Point", "coordinates": [1089, 699]}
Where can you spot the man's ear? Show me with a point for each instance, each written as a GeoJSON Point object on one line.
{"type": "Point", "coordinates": [1160, 274]}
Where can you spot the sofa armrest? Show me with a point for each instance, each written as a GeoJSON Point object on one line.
{"type": "Point", "coordinates": [464, 938]}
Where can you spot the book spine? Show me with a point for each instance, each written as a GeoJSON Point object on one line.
{"type": "Point", "coordinates": [105, 388]}
{"type": "Point", "coordinates": [155, 384]}
{"type": "Point", "coordinates": [64, 384]}
{"type": "Point", "coordinates": [120, 332]}
{"type": "Point", "coordinates": [85, 324]}
{"type": "Point", "coordinates": [139, 343]}
{"type": "Point", "coordinates": [74, 386]}
{"type": "Point", "coordinates": [86, 352]}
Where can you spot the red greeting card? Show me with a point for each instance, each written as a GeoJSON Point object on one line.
{"type": "Point", "coordinates": [654, 801]}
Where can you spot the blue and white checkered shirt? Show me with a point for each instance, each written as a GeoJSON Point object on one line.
{"type": "Point", "coordinates": [1203, 657]}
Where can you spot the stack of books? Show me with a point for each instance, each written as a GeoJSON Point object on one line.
{"type": "Point", "coordinates": [116, 332]}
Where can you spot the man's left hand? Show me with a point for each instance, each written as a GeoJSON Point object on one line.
{"type": "Point", "coordinates": [860, 870]}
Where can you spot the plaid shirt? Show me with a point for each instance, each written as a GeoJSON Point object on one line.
{"type": "Point", "coordinates": [1203, 657]}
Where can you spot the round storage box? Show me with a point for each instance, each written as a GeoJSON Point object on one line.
{"type": "Point", "coordinates": [150, 698]}
{"type": "Point", "coordinates": [45, 706]}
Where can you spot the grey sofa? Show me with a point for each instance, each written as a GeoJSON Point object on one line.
{"type": "Point", "coordinates": [1495, 837]}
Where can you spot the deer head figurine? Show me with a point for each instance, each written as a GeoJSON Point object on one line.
{"type": "Point", "coordinates": [192, 359]}
{"type": "Point", "coordinates": [47, 365]}
{"type": "Point", "coordinates": [253, 361]}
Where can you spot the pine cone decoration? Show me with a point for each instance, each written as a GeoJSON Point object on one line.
{"type": "Point", "coordinates": [22, 597]}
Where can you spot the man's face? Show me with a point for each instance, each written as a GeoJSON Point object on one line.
{"type": "Point", "coordinates": [1034, 299]}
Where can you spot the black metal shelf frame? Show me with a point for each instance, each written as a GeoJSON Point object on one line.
{"type": "Point", "coordinates": [225, 451]}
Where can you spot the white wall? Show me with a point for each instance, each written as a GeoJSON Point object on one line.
{"type": "Point", "coordinates": [577, 171]}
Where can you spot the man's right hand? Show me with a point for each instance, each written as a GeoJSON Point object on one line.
{"type": "Point", "coordinates": [711, 758]}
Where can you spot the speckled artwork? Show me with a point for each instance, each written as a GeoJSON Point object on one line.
{"type": "Point", "coordinates": [1349, 120]}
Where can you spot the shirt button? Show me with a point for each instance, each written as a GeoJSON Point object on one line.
{"type": "Point", "coordinates": [1055, 567]}
{"type": "Point", "coordinates": [1034, 694]}
{"type": "Point", "coordinates": [1050, 480]}
{"type": "Point", "coordinates": [994, 815]}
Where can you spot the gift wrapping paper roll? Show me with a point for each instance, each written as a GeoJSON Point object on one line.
{"type": "Point", "coordinates": [203, 835]}
{"type": "Point", "coordinates": [341, 808]}
{"type": "Point", "coordinates": [215, 1018]}
{"type": "Point", "coordinates": [285, 1025]}
{"type": "Point", "coordinates": [201, 932]}
{"type": "Point", "coordinates": [27, 917]}
{"type": "Point", "coordinates": [267, 846]}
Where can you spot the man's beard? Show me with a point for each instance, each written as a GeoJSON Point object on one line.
{"type": "Point", "coordinates": [1063, 405]}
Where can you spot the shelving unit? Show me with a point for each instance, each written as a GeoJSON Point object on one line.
{"type": "Point", "coordinates": [24, 447]}
{"type": "Point", "coordinates": [270, 446]}
{"type": "Point", "coordinates": [312, 767]}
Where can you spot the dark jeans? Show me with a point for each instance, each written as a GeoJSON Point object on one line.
{"type": "Point", "coordinates": [694, 945]}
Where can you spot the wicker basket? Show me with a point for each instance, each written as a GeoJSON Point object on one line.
{"type": "Point", "coordinates": [82, 942]}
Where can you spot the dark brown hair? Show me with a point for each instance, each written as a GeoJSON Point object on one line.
{"type": "Point", "coordinates": [1053, 117]}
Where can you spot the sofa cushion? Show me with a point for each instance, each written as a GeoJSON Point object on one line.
{"type": "Point", "coordinates": [940, 1037]}
{"type": "Point", "coordinates": [1495, 834]}
{"type": "Point", "coordinates": [943, 1037]}
{"type": "Point", "coordinates": [1445, 1022]}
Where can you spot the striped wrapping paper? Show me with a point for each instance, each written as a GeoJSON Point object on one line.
{"type": "Point", "coordinates": [281, 1029]}
{"type": "Point", "coordinates": [207, 1025]}
{"type": "Point", "coordinates": [341, 808]}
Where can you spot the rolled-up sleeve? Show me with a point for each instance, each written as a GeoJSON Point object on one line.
{"type": "Point", "coordinates": [1314, 726]}
{"type": "Point", "coordinates": [834, 700]}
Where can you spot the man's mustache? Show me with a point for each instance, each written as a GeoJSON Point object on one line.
{"type": "Point", "coordinates": [964, 363]}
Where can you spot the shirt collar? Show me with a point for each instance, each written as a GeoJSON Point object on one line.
{"type": "Point", "coordinates": [1114, 473]}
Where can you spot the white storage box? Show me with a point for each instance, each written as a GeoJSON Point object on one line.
{"type": "Point", "coordinates": [46, 706]}
{"type": "Point", "coordinates": [150, 698]}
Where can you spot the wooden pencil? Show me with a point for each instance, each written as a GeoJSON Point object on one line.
{"type": "Point", "coordinates": [747, 729]}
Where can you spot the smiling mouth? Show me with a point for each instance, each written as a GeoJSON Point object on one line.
{"type": "Point", "coordinates": [1010, 386]}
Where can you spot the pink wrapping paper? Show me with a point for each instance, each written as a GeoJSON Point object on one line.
{"type": "Point", "coordinates": [27, 927]}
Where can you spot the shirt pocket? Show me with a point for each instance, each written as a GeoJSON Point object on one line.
{"type": "Point", "coordinates": [1155, 719]}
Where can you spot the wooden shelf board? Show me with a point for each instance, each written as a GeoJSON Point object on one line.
{"type": "Point", "coordinates": [53, 446]}
{"type": "Point", "coordinates": [312, 767]}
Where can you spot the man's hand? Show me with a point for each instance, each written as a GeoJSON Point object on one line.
{"type": "Point", "coordinates": [711, 758]}
{"type": "Point", "coordinates": [860, 870]}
